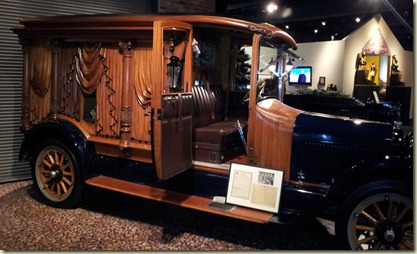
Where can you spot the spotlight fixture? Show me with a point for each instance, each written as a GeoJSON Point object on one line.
{"type": "Point", "coordinates": [272, 7]}
{"type": "Point", "coordinates": [323, 23]}
{"type": "Point", "coordinates": [358, 20]}
{"type": "Point", "coordinates": [287, 27]}
{"type": "Point", "coordinates": [316, 31]}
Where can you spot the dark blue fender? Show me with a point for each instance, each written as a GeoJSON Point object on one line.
{"type": "Point", "coordinates": [67, 133]}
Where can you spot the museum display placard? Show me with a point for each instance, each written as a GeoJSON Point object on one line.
{"type": "Point", "coordinates": [254, 187]}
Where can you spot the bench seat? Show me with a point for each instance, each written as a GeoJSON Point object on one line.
{"type": "Point", "coordinates": [215, 140]}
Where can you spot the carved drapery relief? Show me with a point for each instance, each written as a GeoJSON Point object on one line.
{"type": "Point", "coordinates": [71, 92]}
{"type": "Point", "coordinates": [90, 68]}
{"type": "Point", "coordinates": [40, 62]}
{"type": "Point", "coordinates": [108, 115]}
{"type": "Point", "coordinates": [142, 71]}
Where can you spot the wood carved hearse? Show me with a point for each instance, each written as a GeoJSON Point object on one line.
{"type": "Point", "coordinates": [149, 106]}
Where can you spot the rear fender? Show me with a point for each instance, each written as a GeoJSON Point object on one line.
{"type": "Point", "coordinates": [65, 132]}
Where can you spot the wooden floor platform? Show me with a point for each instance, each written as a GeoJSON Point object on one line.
{"type": "Point", "coordinates": [176, 198]}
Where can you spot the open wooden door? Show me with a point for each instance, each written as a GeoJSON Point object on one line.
{"type": "Point", "coordinates": [172, 98]}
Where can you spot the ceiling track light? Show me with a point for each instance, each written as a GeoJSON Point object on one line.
{"type": "Point", "coordinates": [272, 7]}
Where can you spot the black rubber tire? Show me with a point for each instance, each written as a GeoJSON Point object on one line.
{"type": "Point", "coordinates": [377, 216]}
{"type": "Point", "coordinates": [56, 174]}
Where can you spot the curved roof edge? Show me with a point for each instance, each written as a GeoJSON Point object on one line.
{"type": "Point", "coordinates": [130, 20]}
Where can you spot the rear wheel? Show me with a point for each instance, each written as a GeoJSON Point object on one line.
{"type": "Point", "coordinates": [56, 175]}
{"type": "Point", "coordinates": [378, 216]}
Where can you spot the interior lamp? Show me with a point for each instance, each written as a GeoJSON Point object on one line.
{"type": "Point", "coordinates": [173, 72]}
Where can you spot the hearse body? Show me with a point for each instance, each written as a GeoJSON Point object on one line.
{"type": "Point", "coordinates": [150, 106]}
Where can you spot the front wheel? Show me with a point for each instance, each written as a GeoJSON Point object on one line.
{"type": "Point", "coordinates": [56, 175]}
{"type": "Point", "coordinates": [377, 216]}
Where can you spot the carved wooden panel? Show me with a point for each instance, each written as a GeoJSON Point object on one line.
{"type": "Point", "coordinates": [40, 64]}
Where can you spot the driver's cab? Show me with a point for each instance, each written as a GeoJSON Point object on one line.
{"type": "Point", "coordinates": [238, 86]}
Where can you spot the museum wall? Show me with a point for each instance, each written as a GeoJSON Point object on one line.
{"type": "Point", "coordinates": [335, 60]}
{"type": "Point", "coordinates": [326, 58]}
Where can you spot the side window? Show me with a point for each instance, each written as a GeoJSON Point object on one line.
{"type": "Point", "coordinates": [270, 65]}
{"type": "Point", "coordinates": [90, 108]}
{"type": "Point", "coordinates": [243, 66]}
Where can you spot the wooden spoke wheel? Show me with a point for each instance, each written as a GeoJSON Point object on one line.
{"type": "Point", "coordinates": [382, 222]}
{"type": "Point", "coordinates": [377, 218]}
{"type": "Point", "coordinates": [56, 175]}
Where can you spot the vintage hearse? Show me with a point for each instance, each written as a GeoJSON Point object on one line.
{"type": "Point", "coordinates": [150, 106]}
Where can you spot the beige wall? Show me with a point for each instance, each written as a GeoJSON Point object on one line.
{"type": "Point", "coordinates": [326, 58]}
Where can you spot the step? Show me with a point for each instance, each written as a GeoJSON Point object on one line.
{"type": "Point", "coordinates": [176, 198]}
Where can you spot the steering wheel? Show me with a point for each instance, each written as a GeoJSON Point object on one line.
{"type": "Point", "coordinates": [245, 98]}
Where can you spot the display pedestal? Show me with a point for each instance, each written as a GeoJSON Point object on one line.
{"type": "Point", "coordinates": [402, 95]}
{"type": "Point", "coordinates": [395, 80]}
{"type": "Point", "coordinates": [363, 92]}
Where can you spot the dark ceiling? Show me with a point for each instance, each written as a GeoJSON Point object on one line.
{"type": "Point", "coordinates": [303, 17]}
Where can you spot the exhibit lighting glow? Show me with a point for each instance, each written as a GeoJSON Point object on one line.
{"type": "Point", "coordinates": [271, 7]}
{"type": "Point", "coordinates": [287, 27]}
{"type": "Point", "coordinates": [316, 31]}
{"type": "Point", "coordinates": [357, 122]}
{"type": "Point", "coordinates": [358, 20]}
{"type": "Point", "coordinates": [323, 23]}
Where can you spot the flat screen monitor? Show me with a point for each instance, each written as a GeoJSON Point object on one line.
{"type": "Point", "coordinates": [301, 75]}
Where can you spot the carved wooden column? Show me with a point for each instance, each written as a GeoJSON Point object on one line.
{"type": "Point", "coordinates": [55, 86]}
{"type": "Point", "coordinates": [26, 46]}
{"type": "Point", "coordinates": [127, 90]}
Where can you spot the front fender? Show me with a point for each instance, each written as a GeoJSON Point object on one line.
{"type": "Point", "coordinates": [392, 168]}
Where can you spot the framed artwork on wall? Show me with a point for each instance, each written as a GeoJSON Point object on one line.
{"type": "Point", "coordinates": [322, 83]}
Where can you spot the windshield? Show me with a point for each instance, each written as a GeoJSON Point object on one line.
{"type": "Point", "coordinates": [274, 67]}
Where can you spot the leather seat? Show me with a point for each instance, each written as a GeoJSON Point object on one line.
{"type": "Point", "coordinates": [214, 140]}
{"type": "Point", "coordinates": [219, 133]}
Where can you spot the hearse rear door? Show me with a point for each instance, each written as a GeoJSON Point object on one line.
{"type": "Point", "coordinates": [172, 98]}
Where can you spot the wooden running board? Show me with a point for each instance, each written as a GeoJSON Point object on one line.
{"type": "Point", "coordinates": [176, 198]}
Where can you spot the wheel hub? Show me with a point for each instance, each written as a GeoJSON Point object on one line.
{"type": "Point", "coordinates": [56, 173]}
{"type": "Point", "coordinates": [389, 235]}
{"type": "Point", "coordinates": [389, 232]}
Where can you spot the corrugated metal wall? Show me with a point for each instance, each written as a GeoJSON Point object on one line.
{"type": "Point", "coordinates": [11, 65]}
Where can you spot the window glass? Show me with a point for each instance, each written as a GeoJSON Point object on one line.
{"type": "Point", "coordinates": [274, 67]}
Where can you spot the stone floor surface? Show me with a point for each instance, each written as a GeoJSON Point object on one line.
{"type": "Point", "coordinates": [113, 221]}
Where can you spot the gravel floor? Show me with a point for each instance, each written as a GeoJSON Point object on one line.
{"type": "Point", "coordinates": [113, 221]}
